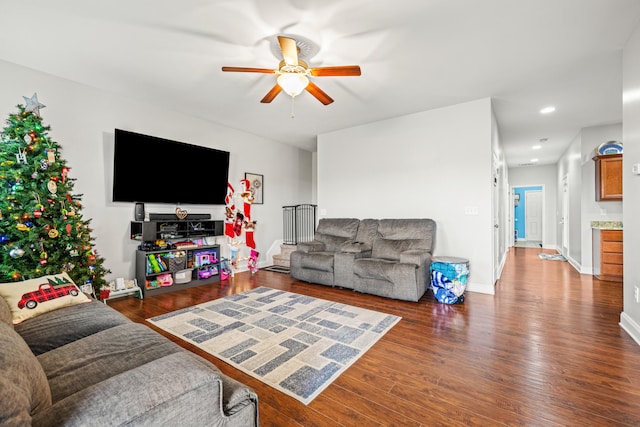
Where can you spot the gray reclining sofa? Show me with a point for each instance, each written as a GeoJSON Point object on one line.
{"type": "Point", "coordinates": [386, 257]}
{"type": "Point", "coordinates": [88, 365]}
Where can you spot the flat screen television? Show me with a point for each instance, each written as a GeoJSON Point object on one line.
{"type": "Point", "coordinates": [157, 170]}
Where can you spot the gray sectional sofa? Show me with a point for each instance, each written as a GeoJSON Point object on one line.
{"type": "Point", "coordinates": [385, 257]}
{"type": "Point", "coordinates": [88, 365]}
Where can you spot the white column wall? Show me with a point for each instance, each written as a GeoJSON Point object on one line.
{"type": "Point", "coordinates": [630, 318]}
{"type": "Point", "coordinates": [432, 164]}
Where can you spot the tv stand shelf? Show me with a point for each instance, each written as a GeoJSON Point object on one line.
{"type": "Point", "coordinates": [149, 231]}
{"type": "Point", "coordinates": [202, 267]}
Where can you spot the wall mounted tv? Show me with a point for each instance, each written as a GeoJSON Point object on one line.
{"type": "Point", "coordinates": [156, 170]}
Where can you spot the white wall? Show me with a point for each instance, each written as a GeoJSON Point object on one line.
{"type": "Point", "coordinates": [82, 121]}
{"type": "Point", "coordinates": [431, 164]}
{"type": "Point", "coordinates": [546, 176]}
{"type": "Point", "coordinates": [570, 164]}
{"type": "Point", "coordinates": [592, 137]}
{"type": "Point", "coordinates": [630, 318]}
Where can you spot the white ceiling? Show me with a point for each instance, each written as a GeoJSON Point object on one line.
{"type": "Point", "coordinates": [415, 55]}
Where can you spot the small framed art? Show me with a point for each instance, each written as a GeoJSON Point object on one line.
{"type": "Point", "coordinates": [257, 187]}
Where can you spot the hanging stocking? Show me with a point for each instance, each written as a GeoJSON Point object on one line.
{"type": "Point", "coordinates": [228, 229]}
{"type": "Point", "coordinates": [249, 239]}
{"type": "Point", "coordinates": [228, 200]}
{"type": "Point", "coordinates": [237, 226]}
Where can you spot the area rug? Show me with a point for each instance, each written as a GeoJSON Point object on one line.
{"type": "Point", "coordinates": [296, 344]}
{"type": "Point", "coordinates": [552, 257]}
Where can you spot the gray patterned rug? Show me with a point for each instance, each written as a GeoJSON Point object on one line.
{"type": "Point", "coordinates": [294, 343]}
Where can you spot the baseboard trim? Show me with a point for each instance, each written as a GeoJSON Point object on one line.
{"type": "Point", "coordinates": [630, 326]}
{"type": "Point", "coordinates": [481, 288]}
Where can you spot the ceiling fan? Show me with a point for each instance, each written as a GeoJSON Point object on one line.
{"type": "Point", "coordinates": [293, 74]}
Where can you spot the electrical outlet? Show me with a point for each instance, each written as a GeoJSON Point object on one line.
{"type": "Point", "coordinates": [636, 294]}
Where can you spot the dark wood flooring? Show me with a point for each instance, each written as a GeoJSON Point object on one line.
{"type": "Point", "coordinates": [546, 350]}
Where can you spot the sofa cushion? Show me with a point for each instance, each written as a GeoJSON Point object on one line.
{"type": "Point", "coordinates": [390, 249]}
{"type": "Point", "coordinates": [33, 297]}
{"type": "Point", "coordinates": [409, 228]}
{"type": "Point", "coordinates": [5, 312]}
{"type": "Point", "coordinates": [95, 358]}
{"type": "Point", "coordinates": [331, 243]}
{"type": "Point", "coordinates": [51, 330]}
{"type": "Point", "coordinates": [340, 227]}
{"type": "Point", "coordinates": [24, 389]}
{"type": "Point", "coordinates": [322, 261]}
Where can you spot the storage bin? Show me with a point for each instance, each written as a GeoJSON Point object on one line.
{"type": "Point", "coordinates": [175, 263]}
{"type": "Point", "coordinates": [449, 277]}
{"type": "Point", "coordinates": [183, 276]}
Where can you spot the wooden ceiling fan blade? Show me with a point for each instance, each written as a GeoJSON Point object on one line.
{"type": "Point", "coordinates": [248, 70]}
{"type": "Point", "coordinates": [344, 70]}
{"type": "Point", "coordinates": [272, 94]}
{"type": "Point", "coordinates": [289, 50]}
{"type": "Point", "coordinates": [319, 94]}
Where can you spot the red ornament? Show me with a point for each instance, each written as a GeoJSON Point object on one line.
{"type": "Point", "coordinates": [37, 213]}
{"type": "Point", "coordinates": [68, 228]}
{"type": "Point", "coordinates": [47, 227]}
{"type": "Point", "coordinates": [43, 262]}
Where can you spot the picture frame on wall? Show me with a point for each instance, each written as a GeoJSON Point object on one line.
{"type": "Point", "coordinates": [257, 187]}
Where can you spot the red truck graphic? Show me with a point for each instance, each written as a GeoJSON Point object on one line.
{"type": "Point", "coordinates": [46, 292]}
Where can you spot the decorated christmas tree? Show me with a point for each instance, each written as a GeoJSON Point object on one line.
{"type": "Point", "coordinates": [42, 231]}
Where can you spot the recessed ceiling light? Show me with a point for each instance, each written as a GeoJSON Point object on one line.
{"type": "Point", "coordinates": [536, 147]}
{"type": "Point", "coordinates": [534, 160]}
{"type": "Point", "coordinates": [547, 110]}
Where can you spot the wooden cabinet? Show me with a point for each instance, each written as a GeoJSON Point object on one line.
{"type": "Point", "coordinates": [608, 177]}
{"type": "Point", "coordinates": [607, 251]}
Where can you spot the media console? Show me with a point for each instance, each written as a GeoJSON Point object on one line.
{"type": "Point", "coordinates": [183, 266]}
{"type": "Point", "coordinates": [149, 231]}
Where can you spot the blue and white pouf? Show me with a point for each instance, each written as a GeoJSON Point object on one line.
{"type": "Point", "coordinates": [449, 277]}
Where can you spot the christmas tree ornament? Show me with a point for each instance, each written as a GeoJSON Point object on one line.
{"type": "Point", "coordinates": [33, 105]}
{"type": "Point", "coordinates": [44, 165]}
{"type": "Point", "coordinates": [53, 233]}
{"type": "Point", "coordinates": [37, 213]}
{"type": "Point", "coordinates": [16, 253]}
{"type": "Point", "coordinates": [27, 139]}
{"type": "Point", "coordinates": [52, 186]}
{"type": "Point", "coordinates": [51, 156]}
{"type": "Point", "coordinates": [65, 171]}
{"type": "Point", "coordinates": [22, 227]}
{"type": "Point", "coordinates": [21, 157]}
{"type": "Point", "coordinates": [68, 229]}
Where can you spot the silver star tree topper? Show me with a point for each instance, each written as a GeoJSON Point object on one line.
{"type": "Point", "coordinates": [33, 105]}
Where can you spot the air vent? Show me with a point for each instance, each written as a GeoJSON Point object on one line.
{"type": "Point", "coordinates": [526, 164]}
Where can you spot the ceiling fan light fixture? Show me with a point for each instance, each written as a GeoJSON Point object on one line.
{"type": "Point", "coordinates": [293, 83]}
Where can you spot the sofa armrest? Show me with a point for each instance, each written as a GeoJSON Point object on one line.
{"type": "Point", "coordinates": [313, 246]}
{"type": "Point", "coordinates": [177, 389]}
{"type": "Point", "coordinates": [354, 247]}
{"type": "Point", "coordinates": [415, 256]}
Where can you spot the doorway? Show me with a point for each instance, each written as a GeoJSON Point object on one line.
{"type": "Point", "coordinates": [528, 216]}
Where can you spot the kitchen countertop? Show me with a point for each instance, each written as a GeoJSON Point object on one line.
{"type": "Point", "coordinates": [607, 225]}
